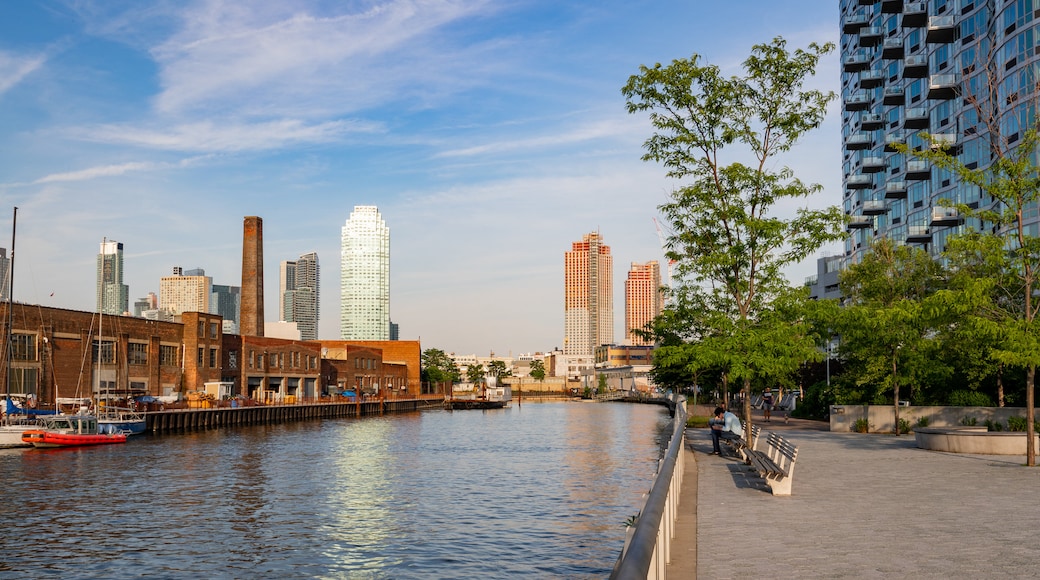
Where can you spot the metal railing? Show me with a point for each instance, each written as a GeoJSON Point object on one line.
{"type": "Point", "coordinates": [647, 550]}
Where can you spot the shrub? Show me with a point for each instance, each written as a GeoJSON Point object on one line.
{"type": "Point", "coordinates": [966, 398]}
{"type": "Point", "coordinates": [992, 425]}
{"type": "Point", "coordinates": [816, 404]}
{"type": "Point", "coordinates": [904, 426]}
{"type": "Point", "coordinates": [1016, 423]}
{"type": "Point", "coordinates": [968, 421]}
{"type": "Point", "coordinates": [861, 426]}
{"type": "Point", "coordinates": [922, 421]}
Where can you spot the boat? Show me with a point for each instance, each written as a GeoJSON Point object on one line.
{"type": "Point", "coordinates": [121, 420]}
{"type": "Point", "coordinates": [491, 396]}
{"type": "Point", "coordinates": [18, 416]}
{"type": "Point", "coordinates": [70, 431]}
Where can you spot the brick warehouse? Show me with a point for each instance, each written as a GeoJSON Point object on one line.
{"type": "Point", "coordinates": [53, 354]}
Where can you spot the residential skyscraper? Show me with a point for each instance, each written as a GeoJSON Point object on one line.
{"type": "Point", "coordinates": [113, 297]}
{"type": "Point", "coordinates": [180, 293]}
{"type": "Point", "coordinates": [298, 300]}
{"type": "Point", "coordinates": [5, 272]}
{"type": "Point", "coordinates": [913, 67]}
{"type": "Point", "coordinates": [588, 296]}
{"type": "Point", "coordinates": [644, 299]}
{"type": "Point", "coordinates": [365, 276]}
{"type": "Point", "coordinates": [226, 301]}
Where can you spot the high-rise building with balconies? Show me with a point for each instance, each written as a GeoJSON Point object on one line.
{"type": "Point", "coordinates": [113, 297]}
{"type": "Point", "coordinates": [644, 299]}
{"type": "Point", "coordinates": [365, 276]}
{"type": "Point", "coordinates": [299, 294]}
{"type": "Point", "coordinates": [912, 67]}
{"type": "Point", "coordinates": [185, 291]}
{"type": "Point", "coordinates": [588, 296]}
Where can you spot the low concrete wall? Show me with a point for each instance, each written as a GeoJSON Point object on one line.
{"type": "Point", "coordinates": [975, 440]}
{"type": "Point", "coordinates": [881, 418]}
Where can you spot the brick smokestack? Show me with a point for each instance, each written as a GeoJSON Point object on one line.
{"type": "Point", "coordinates": [251, 317]}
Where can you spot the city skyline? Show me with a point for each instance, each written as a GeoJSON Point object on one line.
{"type": "Point", "coordinates": [490, 135]}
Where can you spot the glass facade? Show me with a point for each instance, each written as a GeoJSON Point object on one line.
{"type": "Point", "coordinates": [365, 276]}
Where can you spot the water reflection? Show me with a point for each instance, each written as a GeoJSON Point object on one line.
{"type": "Point", "coordinates": [540, 491]}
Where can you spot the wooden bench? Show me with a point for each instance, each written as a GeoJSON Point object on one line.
{"type": "Point", "coordinates": [740, 444]}
{"type": "Point", "coordinates": [775, 464]}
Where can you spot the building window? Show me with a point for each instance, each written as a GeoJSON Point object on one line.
{"type": "Point", "coordinates": [213, 358]}
{"type": "Point", "coordinates": [252, 359]}
{"type": "Point", "coordinates": [23, 347]}
{"type": "Point", "coordinates": [201, 360]}
{"type": "Point", "coordinates": [213, 330]}
{"type": "Point", "coordinates": [137, 353]}
{"type": "Point", "coordinates": [167, 355]}
{"type": "Point", "coordinates": [107, 352]}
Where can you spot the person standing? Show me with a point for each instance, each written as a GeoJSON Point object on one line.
{"type": "Point", "coordinates": [767, 404]}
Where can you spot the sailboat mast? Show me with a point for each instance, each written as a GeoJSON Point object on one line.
{"type": "Point", "coordinates": [10, 309]}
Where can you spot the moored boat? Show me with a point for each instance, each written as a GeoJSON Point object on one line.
{"type": "Point", "coordinates": [119, 420]}
{"type": "Point", "coordinates": [70, 431]}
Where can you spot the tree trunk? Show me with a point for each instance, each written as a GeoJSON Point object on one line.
{"type": "Point", "coordinates": [725, 391]}
{"type": "Point", "coordinates": [747, 409]}
{"type": "Point", "coordinates": [1030, 415]}
{"type": "Point", "coordinates": [895, 387]}
{"type": "Point", "coordinates": [1000, 385]}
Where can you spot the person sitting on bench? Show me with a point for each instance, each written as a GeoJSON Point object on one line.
{"type": "Point", "coordinates": [724, 425]}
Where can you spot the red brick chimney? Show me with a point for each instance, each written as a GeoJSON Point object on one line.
{"type": "Point", "coordinates": [251, 315]}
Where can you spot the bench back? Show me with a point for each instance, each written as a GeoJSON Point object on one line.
{"type": "Point", "coordinates": [781, 451]}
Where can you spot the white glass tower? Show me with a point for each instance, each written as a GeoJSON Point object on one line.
{"type": "Point", "coordinates": [365, 276]}
{"type": "Point", "coordinates": [113, 297]}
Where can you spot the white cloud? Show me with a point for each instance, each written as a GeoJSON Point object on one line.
{"type": "Point", "coordinates": [14, 68]}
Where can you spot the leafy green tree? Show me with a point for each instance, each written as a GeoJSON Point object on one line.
{"type": "Point", "coordinates": [476, 374]}
{"type": "Point", "coordinates": [497, 368]}
{"type": "Point", "coordinates": [728, 243]}
{"type": "Point", "coordinates": [537, 371]}
{"type": "Point", "coordinates": [887, 326]}
{"type": "Point", "coordinates": [437, 367]}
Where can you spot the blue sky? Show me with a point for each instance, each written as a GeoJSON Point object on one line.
{"type": "Point", "coordinates": [490, 134]}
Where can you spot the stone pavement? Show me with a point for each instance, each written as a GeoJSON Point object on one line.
{"type": "Point", "coordinates": [862, 506]}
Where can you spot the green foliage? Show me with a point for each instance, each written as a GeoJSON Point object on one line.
{"type": "Point", "coordinates": [438, 367]}
{"type": "Point", "coordinates": [538, 370]}
{"type": "Point", "coordinates": [904, 426]}
{"type": "Point", "coordinates": [966, 398]}
{"type": "Point", "coordinates": [1016, 423]}
{"type": "Point", "coordinates": [816, 402]}
{"type": "Point", "coordinates": [475, 373]}
{"type": "Point", "coordinates": [922, 421]}
{"type": "Point", "coordinates": [968, 421]}
{"type": "Point", "coordinates": [697, 421]}
{"type": "Point", "coordinates": [861, 426]}
{"type": "Point", "coordinates": [992, 425]}
{"type": "Point", "coordinates": [497, 368]}
{"type": "Point", "coordinates": [601, 385]}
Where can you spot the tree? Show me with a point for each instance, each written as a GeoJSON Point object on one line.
{"type": "Point", "coordinates": [1005, 123]}
{"type": "Point", "coordinates": [437, 367]}
{"type": "Point", "coordinates": [497, 368]}
{"type": "Point", "coordinates": [538, 370]}
{"type": "Point", "coordinates": [476, 373]}
{"type": "Point", "coordinates": [727, 241]}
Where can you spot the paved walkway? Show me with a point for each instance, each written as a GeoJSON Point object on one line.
{"type": "Point", "coordinates": [862, 506]}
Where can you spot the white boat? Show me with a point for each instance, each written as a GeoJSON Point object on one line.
{"type": "Point", "coordinates": [120, 420]}
{"type": "Point", "coordinates": [17, 417]}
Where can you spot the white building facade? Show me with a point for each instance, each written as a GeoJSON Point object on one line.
{"type": "Point", "coordinates": [365, 276]}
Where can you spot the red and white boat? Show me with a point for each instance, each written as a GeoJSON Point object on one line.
{"type": "Point", "coordinates": [70, 431]}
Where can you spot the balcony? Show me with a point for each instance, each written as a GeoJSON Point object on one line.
{"type": "Point", "coordinates": [871, 121]}
{"type": "Point", "coordinates": [892, 48]}
{"type": "Point", "coordinates": [891, 96]}
{"type": "Point", "coordinates": [947, 141]}
{"type": "Point", "coordinates": [867, 2]}
{"type": "Point", "coordinates": [894, 138]}
{"type": "Point", "coordinates": [895, 190]}
{"type": "Point", "coordinates": [859, 222]}
{"type": "Point", "coordinates": [916, 118]}
{"type": "Point", "coordinates": [870, 36]}
{"type": "Point", "coordinates": [891, 6]}
{"type": "Point", "coordinates": [918, 234]}
{"type": "Point", "coordinates": [946, 216]}
{"type": "Point", "coordinates": [859, 141]}
{"type": "Point", "coordinates": [915, 66]}
{"type": "Point", "coordinates": [942, 87]}
{"type": "Point", "coordinates": [872, 164]}
{"type": "Point", "coordinates": [859, 181]}
{"type": "Point", "coordinates": [853, 23]}
{"type": "Point", "coordinates": [918, 170]}
{"type": "Point", "coordinates": [915, 14]}
{"type": "Point", "coordinates": [874, 207]}
{"type": "Point", "coordinates": [941, 29]}
{"type": "Point", "coordinates": [858, 101]}
{"type": "Point", "coordinates": [856, 63]}
{"type": "Point", "coordinates": [872, 78]}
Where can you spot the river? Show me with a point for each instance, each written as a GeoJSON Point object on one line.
{"type": "Point", "coordinates": [538, 490]}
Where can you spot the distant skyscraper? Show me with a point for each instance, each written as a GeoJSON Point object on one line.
{"type": "Point", "coordinates": [298, 301]}
{"type": "Point", "coordinates": [5, 272]}
{"type": "Point", "coordinates": [180, 293]}
{"type": "Point", "coordinates": [365, 276]}
{"type": "Point", "coordinates": [113, 297]}
{"type": "Point", "coordinates": [588, 296]}
{"type": "Point", "coordinates": [226, 301]}
{"type": "Point", "coordinates": [142, 305]}
{"type": "Point", "coordinates": [643, 299]}
{"type": "Point", "coordinates": [395, 331]}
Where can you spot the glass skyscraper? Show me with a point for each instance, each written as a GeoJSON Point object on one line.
{"type": "Point", "coordinates": [365, 276]}
{"type": "Point", "coordinates": [299, 297]}
{"type": "Point", "coordinates": [113, 297]}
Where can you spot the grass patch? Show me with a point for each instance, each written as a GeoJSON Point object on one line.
{"type": "Point", "coordinates": [697, 421]}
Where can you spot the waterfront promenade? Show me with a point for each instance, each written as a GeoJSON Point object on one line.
{"type": "Point", "coordinates": [863, 506]}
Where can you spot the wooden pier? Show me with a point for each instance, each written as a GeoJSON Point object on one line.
{"type": "Point", "coordinates": [180, 420]}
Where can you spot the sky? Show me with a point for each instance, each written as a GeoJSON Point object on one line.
{"type": "Point", "coordinates": [490, 134]}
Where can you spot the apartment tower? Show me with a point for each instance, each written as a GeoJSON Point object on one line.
{"type": "Point", "coordinates": [913, 67]}
{"type": "Point", "coordinates": [185, 291]}
{"type": "Point", "coordinates": [113, 297]}
{"type": "Point", "coordinates": [365, 276]}
{"type": "Point", "coordinates": [298, 300]}
{"type": "Point", "coordinates": [644, 299]}
{"type": "Point", "coordinates": [588, 296]}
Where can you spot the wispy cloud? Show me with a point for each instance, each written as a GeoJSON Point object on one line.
{"type": "Point", "coordinates": [14, 68]}
{"type": "Point", "coordinates": [113, 170]}
{"type": "Point", "coordinates": [210, 136]}
{"type": "Point", "coordinates": [592, 131]}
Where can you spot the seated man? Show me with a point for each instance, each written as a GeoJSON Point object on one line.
{"type": "Point", "coordinates": [724, 425]}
